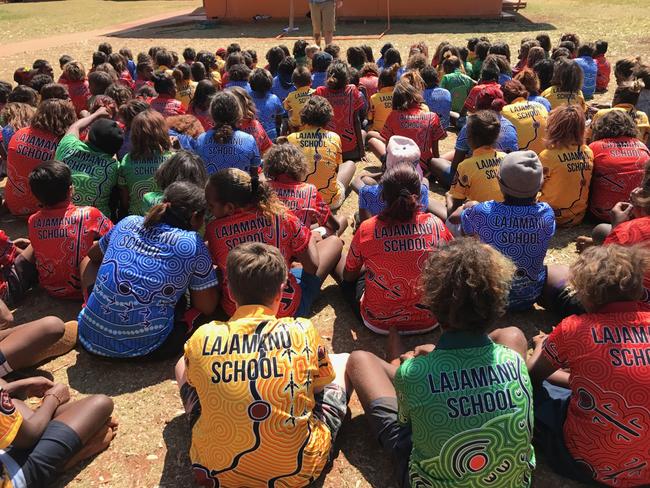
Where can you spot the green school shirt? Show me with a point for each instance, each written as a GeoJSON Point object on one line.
{"type": "Point", "coordinates": [94, 173]}
{"type": "Point", "coordinates": [150, 199]}
{"type": "Point", "coordinates": [476, 69]}
{"type": "Point", "coordinates": [470, 407]}
{"type": "Point", "coordinates": [137, 176]}
{"type": "Point", "coordinates": [459, 85]}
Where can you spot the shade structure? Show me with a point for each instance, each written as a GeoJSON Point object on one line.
{"type": "Point", "coordinates": [239, 10]}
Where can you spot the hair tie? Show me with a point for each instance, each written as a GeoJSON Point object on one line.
{"type": "Point", "coordinates": [405, 193]}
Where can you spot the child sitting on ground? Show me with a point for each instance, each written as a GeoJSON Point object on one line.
{"type": "Point", "coordinates": [166, 102]}
{"type": "Point", "coordinates": [305, 424]}
{"type": "Point", "coordinates": [249, 122]}
{"type": "Point", "coordinates": [476, 178]}
{"type": "Point", "coordinates": [489, 424]}
{"type": "Point", "coordinates": [322, 149]}
{"type": "Point", "coordinates": [285, 168]}
{"type": "Point", "coordinates": [520, 228]}
{"type": "Point", "coordinates": [604, 67]}
{"type": "Point", "coordinates": [297, 99]}
{"type": "Point", "coordinates": [17, 270]}
{"type": "Point", "coordinates": [529, 118]}
{"type": "Point", "coordinates": [94, 169]}
{"type": "Point", "coordinates": [145, 73]}
{"type": "Point", "coordinates": [393, 247]}
{"type": "Point", "coordinates": [246, 209]}
{"type": "Point", "coordinates": [320, 65]}
{"type": "Point", "coordinates": [590, 421]}
{"type": "Point", "coordinates": [437, 99]}
{"type": "Point", "coordinates": [200, 104]}
{"type": "Point", "coordinates": [282, 83]}
{"type": "Point", "coordinates": [568, 165]}
{"type": "Point", "coordinates": [625, 99]}
{"type": "Point", "coordinates": [269, 106]}
{"type": "Point", "coordinates": [61, 233]}
{"type": "Point", "coordinates": [381, 103]}
{"type": "Point", "coordinates": [185, 87]}
{"type": "Point", "coordinates": [457, 82]}
{"type": "Point", "coordinates": [589, 67]}
{"type": "Point", "coordinates": [74, 77]}
{"type": "Point", "coordinates": [566, 85]}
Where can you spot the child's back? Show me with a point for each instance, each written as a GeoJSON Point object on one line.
{"type": "Point", "coordinates": [477, 176]}
{"type": "Point", "coordinates": [459, 85]}
{"type": "Point", "coordinates": [302, 199]}
{"type": "Point", "coordinates": [269, 107]}
{"type": "Point", "coordinates": [381, 105]}
{"type": "Point", "coordinates": [439, 101]}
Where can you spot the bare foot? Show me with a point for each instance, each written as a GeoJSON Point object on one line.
{"type": "Point", "coordinates": [99, 442]}
{"type": "Point", "coordinates": [583, 242]}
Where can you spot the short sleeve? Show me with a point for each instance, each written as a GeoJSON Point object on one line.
{"type": "Point", "coordinates": [264, 142]}
{"type": "Point", "coordinates": [437, 131]}
{"type": "Point", "coordinates": [371, 110]}
{"type": "Point", "coordinates": [424, 197]}
{"type": "Point", "coordinates": [106, 239]}
{"type": "Point", "coordinates": [403, 414]}
{"type": "Point", "coordinates": [461, 142]}
{"type": "Point", "coordinates": [326, 372]}
{"type": "Point", "coordinates": [99, 223]}
{"type": "Point", "coordinates": [203, 275]}
{"type": "Point", "coordinates": [255, 159]}
{"type": "Point", "coordinates": [619, 235]}
{"type": "Point", "coordinates": [278, 108]}
{"type": "Point", "coordinates": [363, 198]}
{"type": "Point", "coordinates": [323, 210]}
{"type": "Point", "coordinates": [65, 145]}
{"type": "Point", "coordinates": [358, 100]}
{"type": "Point", "coordinates": [467, 221]}
{"type": "Point", "coordinates": [10, 420]}
{"type": "Point", "coordinates": [460, 185]}
{"type": "Point", "coordinates": [354, 260]}
{"type": "Point", "coordinates": [300, 234]}
{"type": "Point", "coordinates": [554, 347]}
{"type": "Point", "coordinates": [121, 171]}
{"type": "Point", "coordinates": [388, 131]}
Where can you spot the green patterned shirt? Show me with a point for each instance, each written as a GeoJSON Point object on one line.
{"type": "Point", "coordinates": [137, 176]}
{"type": "Point", "coordinates": [470, 407]}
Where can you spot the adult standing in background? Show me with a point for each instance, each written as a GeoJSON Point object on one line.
{"type": "Point", "coordinates": [323, 19]}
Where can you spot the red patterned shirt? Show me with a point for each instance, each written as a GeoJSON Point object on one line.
{"type": "Point", "coordinates": [630, 233]}
{"type": "Point", "coordinates": [303, 200]}
{"type": "Point", "coordinates": [394, 253]}
{"type": "Point", "coordinates": [618, 169]}
{"type": "Point", "coordinates": [8, 253]}
{"type": "Point", "coordinates": [167, 106]}
{"type": "Point", "coordinates": [491, 87]}
{"type": "Point", "coordinates": [254, 128]}
{"type": "Point", "coordinates": [346, 103]}
{"type": "Point", "coordinates": [423, 127]}
{"type": "Point", "coordinates": [608, 421]}
{"type": "Point", "coordinates": [27, 149]}
{"type": "Point", "coordinates": [284, 232]}
{"type": "Point", "coordinates": [61, 237]}
{"type": "Point", "coordinates": [79, 93]}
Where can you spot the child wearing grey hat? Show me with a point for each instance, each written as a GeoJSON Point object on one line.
{"type": "Point", "coordinates": [520, 227]}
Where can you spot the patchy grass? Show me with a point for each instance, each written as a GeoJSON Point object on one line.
{"type": "Point", "coordinates": [34, 20]}
{"type": "Point", "coordinates": [151, 447]}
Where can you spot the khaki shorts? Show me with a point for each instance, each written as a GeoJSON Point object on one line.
{"type": "Point", "coordinates": [323, 17]}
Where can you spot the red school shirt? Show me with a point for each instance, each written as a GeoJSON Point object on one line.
{"type": "Point", "coordinates": [204, 117]}
{"type": "Point", "coordinates": [618, 169]}
{"type": "Point", "coordinates": [255, 128]}
{"type": "Point", "coordinates": [79, 93]}
{"type": "Point", "coordinates": [283, 232]}
{"type": "Point", "coordinates": [346, 103]}
{"type": "Point", "coordinates": [607, 424]}
{"type": "Point", "coordinates": [604, 72]}
{"type": "Point", "coordinates": [491, 87]}
{"type": "Point", "coordinates": [423, 127]}
{"type": "Point", "coordinates": [630, 233]}
{"type": "Point", "coordinates": [28, 148]}
{"type": "Point", "coordinates": [61, 237]}
{"type": "Point", "coordinates": [302, 199]}
{"type": "Point", "coordinates": [8, 254]}
{"type": "Point", "coordinates": [370, 84]}
{"type": "Point", "coordinates": [394, 253]}
{"type": "Point", "coordinates": [167, 106]}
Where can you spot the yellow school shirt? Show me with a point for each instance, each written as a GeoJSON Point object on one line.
{"type": "Point", "coordinates": [10, 422]}
{"type": "Point", "coordinates": [639, 117]}
{"type": "Point", "coordinates": [215, 77]}
{"type": "Point", "coordinates": [322, 148]}
{"type": "Point", "coordinates": [294, 103]}
{"type": "Point", "coordinates": [255, 377]}
{"type": "Point", "coordinates": [381, 105]}
{"type": "Point", "coordinates": [557, 98]}
{"type": "Point", "coordinates": [476, 176]}
{"type": "Point", "coordinates": [185, 93]}
{"type": "Point", "coordinates": [567, 176]}
{"type": "Point", "coordinates": [529, 118]}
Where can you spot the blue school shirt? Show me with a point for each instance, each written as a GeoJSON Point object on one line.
{"type": "Point", "coordinates": [504, 78]}
{"type": "Point", "coordinates": [145, 272]}
{"type": "Point", "coordinates": [542, 100]}
{"type": "Point", "coordinates": [439, 101]}
{"type": "Point", "coordinates": [370, 199]}
{"type": "Point", "coordinates": [7, 133]}
{"type": "Point", "coordinates": [507, 141]}
{"type": "Point", "coordinates": [242, 83]}
{"type": "Point", "coordinates": [281, 91]}
{"type": "Point", "coordinates": [133, 69]}
{"type": "Point", "coordinates": [269, 106]}
{"type": "Point", "coordinates": [590, 70]}
{"type": "Point", "coordinates": [521, 233]}
{"type": "Point", "coordinates": [318, 79]}
{"type": "Point", "coordinates": [380, 63]}
{"type": "Point", "coordinates": [240, 152]}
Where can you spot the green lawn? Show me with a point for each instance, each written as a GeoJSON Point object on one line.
{"type": "Point", "coordinates": [23, 21]}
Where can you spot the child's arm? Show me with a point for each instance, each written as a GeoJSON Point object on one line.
{"type": "Point", "coordinates": [95, 254]}
{"type": "Point", "coordinates": [6, 317]}
{"type": "Point", "coordinates": [539, 366]}
{"type": "Point", "coordinates": [82, 124]}
{"type": "Point", "coordinates": [452, 203]}
{"type": "Point", "coordinates": [205, 301]}
{"type": "Point", "coordinates": [364, 214]}
{"type": "Point", "coordinates": [621, 212]}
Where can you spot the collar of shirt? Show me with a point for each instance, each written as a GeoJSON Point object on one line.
{"type": "Point", "coordinates": [628, 107]}
{"type": "Point", "coordinates": [64, 204]}
{"type": "Point", "coordinates": [387, 89]}
{"type": "Point", "coordinates": [461, 339]}
{"type": "Point", "coordinates": [253, 311]}
{"type": "Point", "coordinates": [621, 307]}
{"type": "Point", "coordinates": [518, 100]}
{"type": "Point", "coordinates": [285, 179]}
{"type": "Point", "coordinates": [483, 150]}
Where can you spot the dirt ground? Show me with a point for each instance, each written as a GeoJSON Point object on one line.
{"type": "Point", "coordinates": [151, 447]}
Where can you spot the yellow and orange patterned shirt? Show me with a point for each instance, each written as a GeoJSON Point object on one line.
{"type": "Point", "coordinates": [10, 422]}
{"type": "Point", "coordinates": [255, 377]}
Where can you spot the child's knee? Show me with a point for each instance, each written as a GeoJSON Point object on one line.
{"type": "Point", "coordinates": [512, 337]}
{"type": "Point", "coordinates": [53, 326]}
{"type": "Point", "coordinates": [102, 404]}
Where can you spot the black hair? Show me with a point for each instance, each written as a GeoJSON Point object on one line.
{"type": "Point", "coordinates": [5, 91]}
{"type": "Point", "coordinates": [338, 75]}
{"type": "Point", "coordinates": [181, 202]}
{"type": "Point", "coordinates": [601, 47]}
{"type": "Point", "coordinates": [189, 54]}
{"type": "Point", "coordinates": [482, 50]}
{"type": "Point", "coordinates": [233, 47]}
{"type": "Point", "coordinates": [239, 72]}
{"type": "Point", "coordinates": [50, 182]}
{"type": "Point", "coordinates": [41, 64]}
{"type": "Point", "coordinates": [370, 56]}
{"type": "Point", "coordinates": [261, 81]}
{"type": "Point", "coordinates": [226, 114]}
{"type": "Point", "coordinates": [181, 166]}
{"type": "Point", "coordinates": [500, 48]}
{"type": "Point", "coordinates": [39, 81]}
{"type": "Point", "coordinates": [472, 42]}
{"type": "Point", "coordinates": [401, 188]}
{"type": "Point", "coordinates": [299, 48]}
{"type": "Point", "coordinates": [253, 55]}
{"type": "Point", "coordinates": [301, 77]}
{"type": "Point", "coordinates": [274, 56]}
{"type": "Point", "coordinates": [568, 45]}
{"type": "Point", "coordinates": [483, 128]}
{"type": "Point", "coordinates": [99, 81]}
{"type": "Point", "coordinates": [99, 57]}
{"type": "Point", "coordinates": [24, 94]}
{"type": "Point", "coordinates": [544, 70]}
{"type": "Point", "coordinates": [287, 67]}
{"type": "Point", "coordinates": [317, 112]}
{"type": "Point", "coordinates": [333, 50]}
{"type": "Point", "coordinates": [164, 58]}
{"type": "Point", "coordinates": [65, 59]}
{"type": "Point", "coordinates": [164, 84]}
{"type": "Point", "coordinates": [203, 94]}
{"type": "Point", "coordinates": [321, 63]}
{"type": "Point", "coordinates": [208, 59]}
{"type": "Point", "coordinates": [587, 50]}
{"type": "Point", "coordinates": [544, 41]}
{"type": "Point", "coordinates": [392, 56]}
{"type": "Point", "coordinates": [430, 76]}
{"type": "Point", "coordinates": [356, 56]}
{"type": "Point", "coordinates": [385, 48]}
{"type": "Point", "coordinates": [490, 69]}
{"type": "Point", "coordinates": [464, 53]}
{"type": "Point", "coordinates": [198, 71]}
{"type": "Point", "coordinates": [106, 48]}
{"type": "Point", "coordinates": [126, 53]}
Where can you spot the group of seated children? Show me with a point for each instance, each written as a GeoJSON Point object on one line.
{"type": "Point", "coordinates": [168, 194]}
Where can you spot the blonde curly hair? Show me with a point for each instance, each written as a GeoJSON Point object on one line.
{"type": "Point", "coordinates": [606, 274]}
{"type": "Point", "coordinates": [466, 284]}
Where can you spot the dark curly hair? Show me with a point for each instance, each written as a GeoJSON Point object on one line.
{"type": "Point", "coordinates": [54, 116]}
{"type": "Point", "coordinates": [466, 284]}
{"type": "Point", "coordinates": [614, 124]}
{"type": "Point", "coordinates": [317, 112]}
{"type": "Point", "coordinates": [285, 159]}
